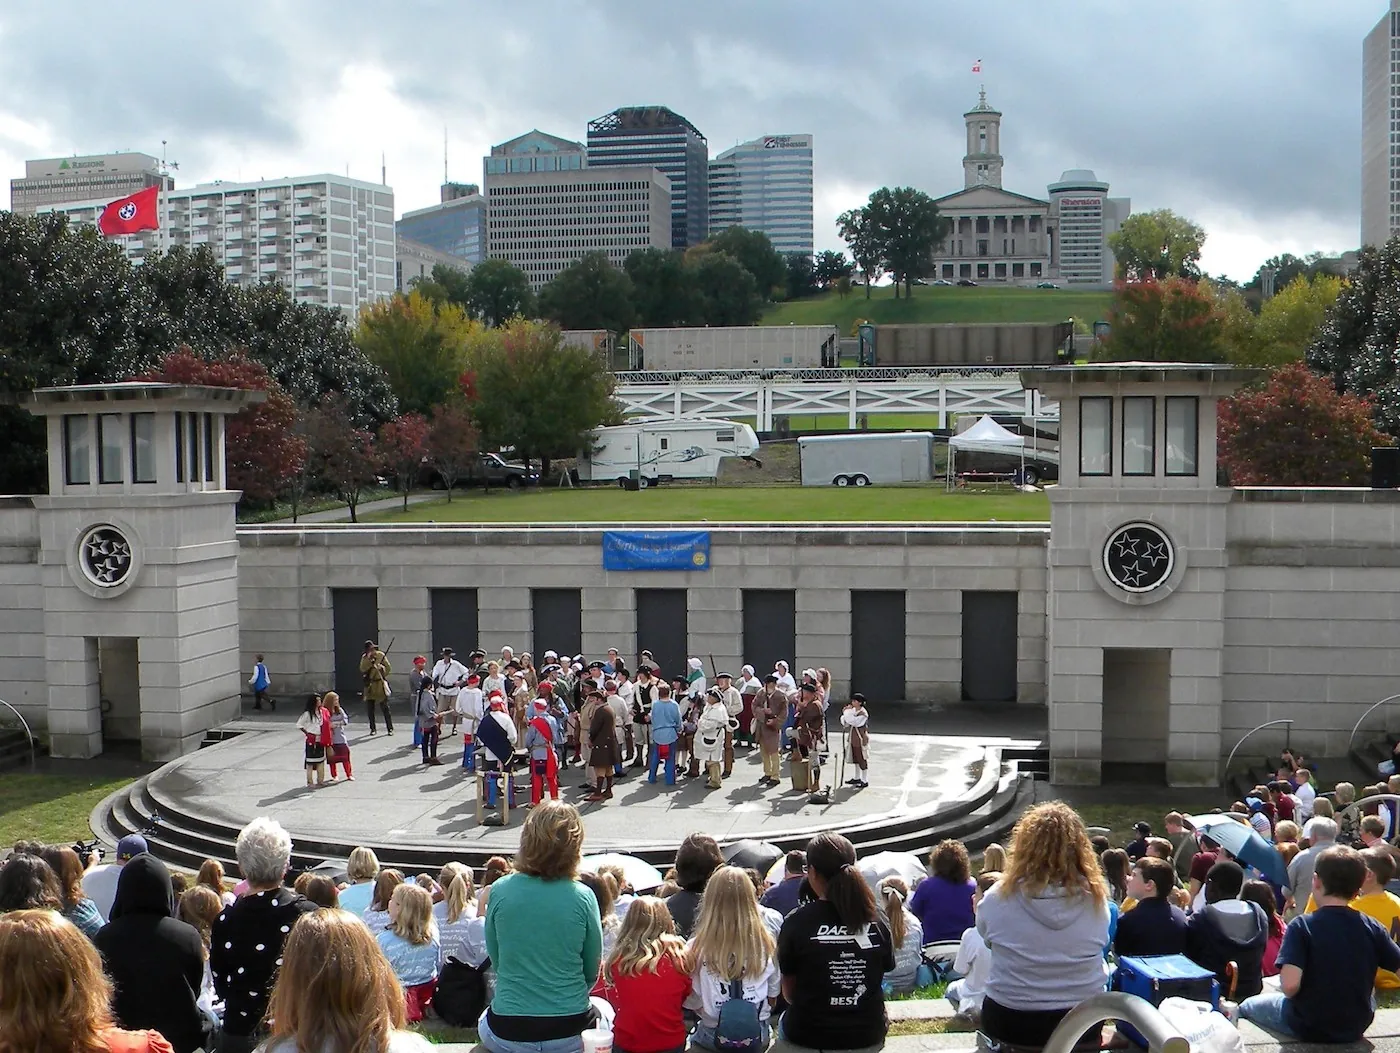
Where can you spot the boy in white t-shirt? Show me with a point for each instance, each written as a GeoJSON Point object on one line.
{"type": "Point", "coordinates": [470, 707]}
{"type": "Point", "coordinates": [974, 960]}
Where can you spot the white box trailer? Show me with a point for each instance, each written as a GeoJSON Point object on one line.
{"type": "Point", "coordinates": [863, 460]}
{"type": "Point", "coordinates": [735, 347]}
{"type": "Point", "coordinates": [662, 450]}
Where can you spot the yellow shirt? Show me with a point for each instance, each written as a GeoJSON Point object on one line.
{"type": "Point", "coordinates": [1384, 907]}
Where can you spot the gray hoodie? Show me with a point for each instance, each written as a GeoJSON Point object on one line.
{"type": "Point", "coordinates": [1047, 950]}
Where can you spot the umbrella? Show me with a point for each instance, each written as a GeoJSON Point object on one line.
{"type": "Point", "coordinates": [1244, 843]}
{"type": "Point", "coordinates": [641, 875]}
{"type": "Point", "coordinates": [777, 871]}
{"type": "Point", "coordinates": [749, 854]}
{"type": "Point", "coordinates": [881, 865]}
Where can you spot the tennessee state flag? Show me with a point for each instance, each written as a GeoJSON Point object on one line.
{"type": "Point", "coordinates": [128, 215]}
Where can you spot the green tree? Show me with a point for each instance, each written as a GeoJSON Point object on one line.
{"type": "Point", "coordinates": [1159, 245]}
{"type": "Point", "coordinates": [1238, 322]}
{"type": "Point", "coordinates": [727, 290]}
{"type": "Point", "coordinates": [1296, 430]}
{"type": "Point", "coordinates": [420, 345]}
{"type": "Point", "coordinates": [755, 253]}
{"type": "Point", "coordinates": [861, 238]}
{"type": "Point", "coordinates": [843, 286]}
{"type": "Point", "coordinates": [589, 294]}
{"type": "Point", "coordinates": [1164, 321]}
{"type": "Point", "coordinates": [497, 292]}
{"type": "Point", "coordinates": [801, 276]}
{"type": "Point", "coordinates": [1290, 320]}
{"type": "Point", "coordinates": [831, 266]}
{"type": "Point", "coordinates": [529, 390]}
{"type": "Point", "coordinates": [908, 229]}
{"type": "Point", "coordinates": [664, 288]}
{"type": "Point", "coordinates": [446, 284]}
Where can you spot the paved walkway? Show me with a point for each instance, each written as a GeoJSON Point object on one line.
{"type": "Point", "coordinates": [342, 514]}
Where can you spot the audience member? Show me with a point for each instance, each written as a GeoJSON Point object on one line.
{"type": "Point", "coordinates": [943, 902]}
{"type": "Point", "coordinates": [604, 891]}
{"type": "Point", "coordinates": [731, 957]}
{"type": "Point", "coordinates": [337, 993]}
{"type": "Point", "coordinates": [100, 882]}
{"type": "Point", "coordinates": [973, 961]}
{"type": "Point", "coordinates": [199, 907]}
{"type": "Point", "coordinates": [361, 869]}
{"type": "Point", "coordinates": [1343, 796]}
{"type": "Point", "coordinates": [906, 933]}
{"type": "Point", "coordinates": [1286, 831]}
{"type": "Point", "coordinates": [248, 936]}
{"type": "Point", "coordinates": [1115, 871]}
{"type": "Point", "coordinates": [1262, 893]}
{"type": "Point", "coordinates": [1138, 845]}
{"type": "Point", "coordinates": [772, 920]}
{"type": "Point", "coordinates": [321, 891]}
{"type": "Point", "coordinates": [993, 858]}
{"type": "Point", "coordinates": [1320, 834]}
{"type": "Point", "coordinates": [77, 907]}
{"type": "Point", "coordinates": [1201, 863]}
{"type": "Point", "coordinates": [411, 945]}
{"type": "Point", "coordinates": [53, 993]}
{"type": "Point", "coordinates": [646, 980]}
{"type": "Point", "coordinates": [496, 868]}
{"type": "Point", "coordinates": [1322, 808]}
{"type": "Point", "coordinates": [1306, 793]}
{"type": "Point", "coordinates": [156, 961]}
{"type": "Point", "coordinates": [28, 883]}
{"type": "Point", "coordinates": [1229, 929]}
{"type": "Point", "coordinates": [377, 913]}
{"type": "Point", "coordinates": [1046, 923]}
{"type": "Point", "coordinates": [697, 858]}
{"type": "Point", "coordinates": [1329, 960]}
{"type": "Point", "coordinates": [833, 953]}
{"type": "Point", "coordinates": [211, 874]}
{"type": "Point", "coordinates": [1154, 925]}
{"type": "Point", "coordinates": [457, 910]}
{"type": "Point", "coordinates": [782, 897]}
{"type": "Point", "coordinates": [1375, 902]}
{"type": "Point", "coordinates": [542, 985]}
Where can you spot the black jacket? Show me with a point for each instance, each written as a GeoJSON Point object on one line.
{"type": "Point", "coordinates": [156, 962]}
{"type": "Point", "coordinates": [246, 950]}
{"type": "Point", "coordinates": [1154, 926]}
{"type": "Point", "coordinates": [1231, 930]}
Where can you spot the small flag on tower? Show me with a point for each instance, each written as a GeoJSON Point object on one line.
{"type": "Point", "coordinates": [129, 215]}
{"type": "Point", "coordinates": [977, 66]}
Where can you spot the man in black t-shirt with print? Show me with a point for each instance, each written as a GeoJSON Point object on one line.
{"type": "Point", "coordinates": [1328, 961]}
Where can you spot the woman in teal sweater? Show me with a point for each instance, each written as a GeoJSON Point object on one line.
{"type": "Point", "coordinates": [545, 940]}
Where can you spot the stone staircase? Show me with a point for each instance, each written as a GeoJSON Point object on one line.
{"type": "Point", "coordinates": [15, 749]}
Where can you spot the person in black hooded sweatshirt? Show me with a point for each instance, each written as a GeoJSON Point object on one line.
{"type": "Point", "coordinates": [156, 961]}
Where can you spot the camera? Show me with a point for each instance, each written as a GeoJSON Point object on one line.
{"type": "Point", "coordinates": [87, 848]}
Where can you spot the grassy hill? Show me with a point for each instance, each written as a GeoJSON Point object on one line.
{"type": "Point", "coordinates": [938, 303]}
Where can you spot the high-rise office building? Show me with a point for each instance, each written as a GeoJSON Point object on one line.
{"type": "Point", "coordinates": [326, 239]}
{"type": "Point", "coordinates": [1380, 129]}
{"type": "Point", "coordinates": [766, 185]}
{"type": "Point", "coordinates": [535, 151]}
{"type": "Point", "coordinates": [104, 177]}
{"type": "Point", "coordinates": [544, 221]}
{"type": "Point", "coordinates": [456, 225]}
{"type": "Point", "coordinates": [655, 137]}
{"type": "Point", "coordinates": [1082, 215]}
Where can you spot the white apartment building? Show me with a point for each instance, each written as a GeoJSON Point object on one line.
{"type": "Point", "coordinates": [544, 221]}
{"type": "Point", "coordinates": [766, 185]}
{"type": "Point", "coordinates": [326, 239]}
{"type": "Point", "coordinates": [1380, 129]}
{"type": "Point", "coordinates": [1083, 216]}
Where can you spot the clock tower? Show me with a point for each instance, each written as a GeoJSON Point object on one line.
{"type": "Point", "coordinates": [983, 161]}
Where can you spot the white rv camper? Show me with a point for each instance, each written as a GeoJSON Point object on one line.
{"type": "Point", "coordinates": [659, 451]}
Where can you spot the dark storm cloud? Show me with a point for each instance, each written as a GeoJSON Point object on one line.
{"type": "Point", "coordinates": [1194, 105]}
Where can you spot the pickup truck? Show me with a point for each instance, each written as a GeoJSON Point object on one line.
{"type": "Point", "coordinates": [485, 469]}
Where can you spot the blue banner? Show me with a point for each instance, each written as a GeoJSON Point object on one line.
{"type": "Point", "coordinates": [656, 550]}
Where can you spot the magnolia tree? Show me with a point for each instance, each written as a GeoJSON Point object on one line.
{"type": "Point", "coordinates": [1296, 430]}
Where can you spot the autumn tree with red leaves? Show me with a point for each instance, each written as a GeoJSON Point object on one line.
{"type": "Point", "coordinates": [1174, 320]}
{"type": "Point", "coordinates": [264, 451]}
{"type": "Point", "coordinates": [403, 447]}
{"type": "Point", "coordinates": [343, 456]}
{"type": "Point", "coordinates": [452, 442]}
{"type": "Point", "coordinates": [1296, 430]}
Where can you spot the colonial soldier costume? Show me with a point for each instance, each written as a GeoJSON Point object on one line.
{"type": "Point", "coordinates": [449, 676]}
{"type": "Point", "coordinates": [711, 731]}
{"type": "Point", "coordinates": [734, 706]}
{"type": "Point", "coordinates": [855, 718]}
{"type": "Point", "coordinates": [770, 709]}
{"type": "Point", "coordinates": [374, 670]}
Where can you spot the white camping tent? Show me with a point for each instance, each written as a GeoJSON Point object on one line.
{"type": "Point", "coordinates": [987, 436]}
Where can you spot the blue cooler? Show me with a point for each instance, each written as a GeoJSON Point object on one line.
{"type": "Point", "coordinates": [1157, 977]}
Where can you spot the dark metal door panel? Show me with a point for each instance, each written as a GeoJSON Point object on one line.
{"type": "Point", "coordinates": [663, 628]}
{"type": "Point", "coordinates": [989, 646]}
{"type": "Point", "coordinates": [878, 644]}
{"type": "Point", "coordinates": [770, 629]}
{"type": "Point", "coordinates": [354, 619]}
{"type": "Point", "coordinates": [454, 622]}
{"type": "Point", "coordinates": [558, 621]}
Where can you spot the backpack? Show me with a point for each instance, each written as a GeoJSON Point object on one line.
{"type": "Point", "coordinates": [739, 1029]}
{"type": "Point", "coordinates": [460, 998]}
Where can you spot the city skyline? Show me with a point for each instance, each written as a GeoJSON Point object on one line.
{"type": "Point", "coordinates": [1261, 145]}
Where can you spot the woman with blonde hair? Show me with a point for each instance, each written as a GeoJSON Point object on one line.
{"type": "Point", "coordinates": [645, 980]}
{"type": "Point", "coordinates": [53, 993]}
{"type": "Point", "coordinates": [412, 946]}
{"type": "Point", "coordinates": [545, 940]}
{"type": "Point", "coordinates": [361, 870]}
{"type": "Point", "coordinates": [337, 993]}
{"type": "Point", "coordinates": [211, 875]}
{"type": "Point", "coordinates": [731, 955]}
{"type": "Point", "coordinates": [1046, 924]}
{"type": "Point", "coordinates": [457, 911]}
{"type": "Point", "coordinates": [377, 913]}
{"type": "Point", "coordinates": [993, 859]}
{"type": "Point", "coordinates": [906, 933]}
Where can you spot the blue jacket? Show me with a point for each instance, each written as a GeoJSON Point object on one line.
{"type": "Point", "coordinates": [665, 721]}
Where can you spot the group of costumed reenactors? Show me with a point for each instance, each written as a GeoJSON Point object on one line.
{"type": "Point", "coordinates": [600, 716]}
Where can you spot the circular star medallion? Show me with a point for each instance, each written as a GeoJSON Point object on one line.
{"type": "Point", "coordinates": [105, 556]}
{"type": "Point", "coordinates": [1138, 557]}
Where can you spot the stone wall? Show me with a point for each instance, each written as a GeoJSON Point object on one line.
{"type": "Point", "coordinates": [22, 673]}
{"type": "Point", "coordinates": [286, 574]}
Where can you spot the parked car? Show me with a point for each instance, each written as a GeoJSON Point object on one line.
{"type": "Point", "coordinates": [942, 281]}
{"type": "Point", "coordinates": [486, 469]}
{"type": "Point", "coordinates": [966, 281]}
{"type": "Point", "coordinates": [1046, 285]}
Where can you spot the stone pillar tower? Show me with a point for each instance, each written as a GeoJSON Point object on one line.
{"type": "Point", "coordinates": [1137, 562]}
{"type": "Point", "coordinates": [982, 165]}
{"type": "Point", "coordinates": [139, 566]}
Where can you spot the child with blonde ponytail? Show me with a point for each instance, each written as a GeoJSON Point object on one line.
{"type": "Point", "coordinates": [455, 914]}
{"type": "Point", "coordinates": [906, 934]}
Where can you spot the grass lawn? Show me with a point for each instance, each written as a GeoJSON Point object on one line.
{"type": "Point", "coordinates": [49, 808]}
{"type": "Point", "coordinates": [937, 303]}
{"type": "Point", "coordinates": [728, 505]}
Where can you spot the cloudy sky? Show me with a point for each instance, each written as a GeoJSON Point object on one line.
{"type": "Point", "coordinates": [1243, 115]}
